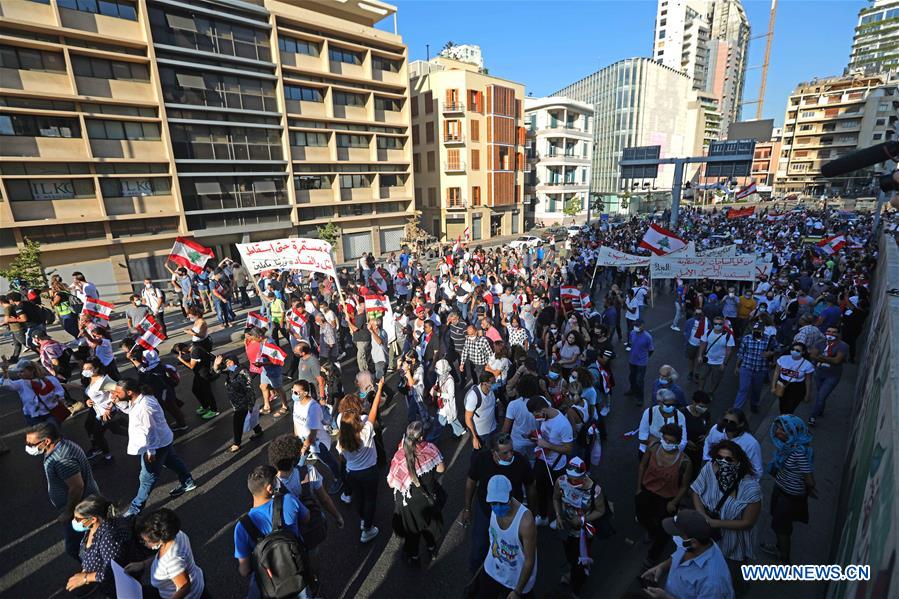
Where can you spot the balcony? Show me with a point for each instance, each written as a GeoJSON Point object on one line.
{"type": "Point", "coordinates": [48, 83]}
{"type": "Point", "coordinates": [454, 140]}
{"type": "Point", "coordinates": [81, 209]}
{"type": "Point", "coordinates": [27, 11]}
{"type": "Point", "coordinates": [395, 192]}
{"type": "Point", "coordinates": [452, 108]}
{"type": "Point", "coordinates": [116, 89]}
{"type": "Point", "coordinates": [105, 26]}
{"type": "Point", "coordinates": [454, 167]}
{"type": "Point", "coordinates": [126, 148]}
{"type": "Point", "coordinates": [60, 148]}
{"type": "Point", "coordinates": [456, 204]}
{"type": "Point", "coordinates": [148, 205]}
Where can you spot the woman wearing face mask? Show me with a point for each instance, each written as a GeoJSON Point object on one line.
{"type": "Point", "coordinates": [106, 538]}
{"type": "Point", "coordinates": [443, 395]}
{"type": "Point", "coordinates": [498, 365]}
{"type": "Point", "coordinates": [657, 416]}
{"type": "Point", "coordinates": [418, 496]}
{"type": "Point", "coordinates": [199, 330]}
{"type": "Point", "coordinates": [792, 380]}
{"type": "Point", "coordinates": [173, 571]}
{"type": "Point", "coordinates": [551, 337]}
{"type": "Point", "coordinates": [663, 477]}
{"type": "Point", "coordinates": [100, 341]}
{"type": "Point", "coordinates": [794, 481]}
{"type": "Point", "coordinates": [38, 392]}
{"type": "Point", "coordinates": [99, 397]}
{"type": "Point", "coordinates": [240, 395]}
{"type": "Point", "coordinates": [556, 385]}
{"type": "Point", "coordinates": [577, 501]}
{"type": "Point", "coordinates": [699, 420]}
{"type": "Point", "coordinates": [728, 494]}
{"type": "Point", "coordinates": [199, 360]}
{"type": "Point", "coordinates": [567, 352]}
{"type": "Point", "coordinates": [309, 426]}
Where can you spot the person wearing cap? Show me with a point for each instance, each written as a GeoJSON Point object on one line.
{"type": "Point", "coordinates": [510, 568]}
{"type": "Point", "coordinates": [577, 502]}
{"type": "Point", "coordinates": [697, 568]}
{"type": "Point", "coordinates": [752, 366]}
{"type": "Point", "coordinates": [640, 346]}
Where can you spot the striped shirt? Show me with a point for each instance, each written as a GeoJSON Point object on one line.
{"type": "Point", "coordinates": [738, 545]}
{"type": "Point", "coordinates": [751, 353]}
{"type": "Point", "coordinates": [791, 477]}
{"type": "Point", "coordinates": [65, 461]}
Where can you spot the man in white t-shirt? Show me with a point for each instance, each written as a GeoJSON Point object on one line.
{"type": "Point", "coordinates": [480, 412]}
{"type": "Point", "coordinates": [715, 350]}
{"type": "Point", "coordinates": [555, 439]}
{"type": "Point", "coordinates": [308, 425]}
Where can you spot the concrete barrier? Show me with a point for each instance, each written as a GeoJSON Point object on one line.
{"type": "Point", "coordinates": [867, 513]}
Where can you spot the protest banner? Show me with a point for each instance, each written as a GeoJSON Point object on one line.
{"type": "Point", "coordinates": [606, 256]}
{"type": "Point", "coordinates": [725, 251]}
{"type": "Point", "coordinates": [739, 268]}
{"type": "Point", "coordinates": [312, 255]}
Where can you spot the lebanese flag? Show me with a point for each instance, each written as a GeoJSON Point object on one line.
{"type": "Point", "coordinates": [190, 254]}
{"type": "Point", "coordinates": [377, 279]}
{"type": "Point", "coordinates": [97, 308]}
{"type": "Point", "coordinates": [586, 302]}
{"type": "Point", "coordinates": [832, 245]}
{"type": "Point", "coordinates": [375, 303]}
{"type": "Point", "coordinates": [775, 217]}
{"type": "Point", "coordinates": [297, 318]}
{"type": "Point", "coordinates": [467, 233]}
{"type": "Point", "coordinates": [661, 241]}
{"type": "Point", "coordinates": [151, 338]}
{"type": "Point", "coordinates": [746, 191]}
{"type": "Point", "coordinates": [741, 212]}
{"type": "Point", "coordinates": [148, 323]}
{"type": "Point", "coordinates": [255, 319]}
{"type": "Point", "coordinates": [570, 293]}
{"type": "Point", "coordinates": [275, 354]}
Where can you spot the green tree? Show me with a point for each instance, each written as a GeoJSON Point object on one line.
{"type": "Point", "coordinates": [27, 267]}
{"type": "Point", "coordinates": [572, 207]}
{"type": "Point", "coordinates": [329, 233]}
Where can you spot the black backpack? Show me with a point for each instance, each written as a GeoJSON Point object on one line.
{"type": "Point", "coordinates": [280, 560]}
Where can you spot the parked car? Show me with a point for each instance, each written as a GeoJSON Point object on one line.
{"type": "Point", "coordinates": [525, 241]}
{"type": "Point", "coordinates": [574, 230]}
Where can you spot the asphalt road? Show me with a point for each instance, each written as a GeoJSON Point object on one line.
{"type": "Point", "coordinates": [31, 541]}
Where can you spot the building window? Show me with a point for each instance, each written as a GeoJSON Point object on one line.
{"type": "Point", "coordinates": [432, 197]}
{"type": "Point", "coordinates": [429, 132]}
{"type": "Point", "coordinates": [414, 106]}
{"type": "Point", "coordinates": [351, 141]}
{"type": "Point", "coordinates": [307, 182]}
{"type": "Point", "coordinates": [454, 197]}
{"type": "Point", "coordinates": [807, 114]}
{"type": "Point", "coordinates": [130, 130]}
{"type": "Point", "coordinates": [84, 66]}
{"type": "Point", "coordinates": [127, 188]}
{"type": "Point", "coordinates": [340, 55]}
{"type": "Point", "coordinates": [391, 181]}
{"type": "Point", "coordinates": [390, 104]}
{"type": "Point", "coordinates": [452, 159]}
{"type": "Point", "coordinates": [204, 142]}
{"type": "Point", "coordinates": [476, 195]}
{"type": "Point", "coordinates": [26, 59]}
{"type": "Point", "coordinates": [121, 9]}
{"type": "Point", "coordinates": [415, 134]}
{"type": "Point", "coordinates": [201, 33]}
{"type": "Point", "coordinates": [305, 94]}
{"type": "Point", "coordinates": [27, 190]}
{"type": "Point", "coordinates": [310, 140]}
{"type": "Point", "coordinates": [661, 34]}
{"type": "Point", "coordinates": [475, 160]}
{"type": "Point", "coordinates": [385, 64]}
{"type": "Point", "coordinates": [355, 181]}
{"type": "Point", "coordinates": [475, 130]}
{"type": "Point", "coordinates": [429, 102]}
{"type": "Point", "coordinates": [23, 125]}
{"type": "Point", "coordinates": [432, 164]}
{"type": "Point", "coordinates": [390, 143]}
{"type": "Point", "coordinates": [348, 99]}
{"type": "Point", "coordinates": [416, 162]}
{"type": "Point", "coordinates": [295, 46]}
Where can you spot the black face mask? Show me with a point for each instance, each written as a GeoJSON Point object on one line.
{"type": "Point", "coordinates": [730, 426]}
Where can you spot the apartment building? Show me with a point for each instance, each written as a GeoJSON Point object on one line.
{"type": "Point", "coordinates": [468, 141]}
{"type": "Point", "coordinates": [559, 151]}
{"type": "Point", "coordinates": [764, 162]}
{"type": "Point", "coordinates": [127, 123]}
{"type": "Point", "coordinates": [708, 40]}
{"type": "Point", "coordinates": [875, 45]}
{"type": "Point", "coordinates": [638, 102]}
{"type": "Point", "coordinates": [827, 118]}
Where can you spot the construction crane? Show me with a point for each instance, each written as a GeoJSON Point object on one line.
{"type": "Point", "coordinates": [770, 36]}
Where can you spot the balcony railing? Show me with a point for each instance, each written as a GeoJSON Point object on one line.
{"type": "Point", "coordinates": [456, 204]}
{"type": "Point", "coordinates": [454, 139]}
{"type": "Point", "coordinates": [454, 167]}
{"type": "Point", "coordinates": [453, 107]}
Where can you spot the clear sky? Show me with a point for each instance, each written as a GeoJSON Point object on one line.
{"type": "Point", "coordinates": [548, 44]}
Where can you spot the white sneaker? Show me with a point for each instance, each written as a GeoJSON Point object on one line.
{"type": "Point", "coordinates": [675, 328]}
{"type": "Point", "coordinates": [369, 534]}
{"type": "Point", "coordinates": [541, 521]}
{"type": "Point", "coordinates": [554, 525]}
{"type": "Point", "coordinates": [346, 498]}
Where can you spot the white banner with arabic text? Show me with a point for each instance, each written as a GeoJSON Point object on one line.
{"type": "Point", "coordinates": [739, 268]}
{"type": "Point", "coordinates": [606, 256]}
{"type": "Point", "coordinates": [300, 253]}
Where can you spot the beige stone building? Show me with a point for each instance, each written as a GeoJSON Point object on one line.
{"type": "Point", "coordinates": [126, 123]}
{"type": "Point", "coordinates": [468, 150]}
{"type": "Point", "coordinates": [827, 118]}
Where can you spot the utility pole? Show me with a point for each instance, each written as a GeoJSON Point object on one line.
{"type": "Point", "coordinates": [428, 50]}
{"type": "Point", "coordinates": [770, 36]}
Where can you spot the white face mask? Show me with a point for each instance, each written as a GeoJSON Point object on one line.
{"type": "Point", "coordinates": [33, 450]}
{"type": "Point", "coordinates": [668, 446]}
{"type": "Point", "coordinates": [87, 373]}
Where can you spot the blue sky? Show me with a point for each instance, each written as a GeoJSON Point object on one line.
{"type": "Point", "coordinates": [548, 44]}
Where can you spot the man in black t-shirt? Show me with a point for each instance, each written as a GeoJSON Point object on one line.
{"type": "Point", "coordinates": [29, 315]}
{"type": "Point", "coordinates": [484, 465]}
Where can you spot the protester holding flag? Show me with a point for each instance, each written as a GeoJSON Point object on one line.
{"type": "Point", "coordinates": [191, 255]}
{"type": "Point", "coordinates": [661, 241]}
{"type": "Point", "coordinates": [195, 357]}
{"type": "Point", "coordinates": [99, 340]}
{"type": "Point", "coordinates": [199, 330]}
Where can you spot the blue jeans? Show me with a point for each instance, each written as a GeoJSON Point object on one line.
{"type": "Point", "coordinates": [463, 309]}
{"type": "Point", "coordinates": [458, 427]}
{"type": "Point", "coordinates": [224, 312]}
{"type": "Point", "coordinates": [149, 473]}
{"type": "Point", "coordinates": [69, 324]}
{"type": "Point", "coordinates": [637, 379]}
{"type": "Point", "coordinates": [825, 384]}
{"type": "Point", "coordinates": [325, 456]}
{"type": "Point", "coordinates": [751, 384]}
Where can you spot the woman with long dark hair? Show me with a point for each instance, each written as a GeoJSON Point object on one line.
{"type": "Point", "coordinates": [356, 443]}
{"type": "Point", "coordinates": [106, 538]}
{"type": "Point", "coordinates": [418, 496]}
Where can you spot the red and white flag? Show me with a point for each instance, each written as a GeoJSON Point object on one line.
{"type": "Point", "coordinates": [740, 212]}
{"type": "Point", "coordinates": [775, 217]}
{"type": "Point", "coordinates": [297, 318]}
{"type": "Point", "coordinates": [147, 323]}
{"type": "Point", "coordinates": [661, 241]}
{"type": "Point", "coordinates": [586, 302]}
{"type": "Point", "coordinates": [377, 279]}
{"type": "Point", "coordinates": [746, 191]}
{"type": "Point", "coordinates": [255, 319]}
{"type": "Point", "coordinates": [832, 245]}
{"type": "Point", "coordinates": [190, 254]}
{"type": "Point", "coordinates": [570, 292]}
{"type": "Point", "coordinates": [375, 303]}
{"type": "Point", "coordinates": [151, 338]}
{"type": "Point", "coordinates": [467, 233]}
{"type": "Point", "coordinates": [275, 354]}
{"type": "Point", "coordinates": [97, 308]}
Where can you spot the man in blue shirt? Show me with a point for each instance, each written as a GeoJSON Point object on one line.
{"type": "Point", "coordinates": [641, 348]}
{"type": "Point", "coordinates": [697, 568]}
{"type": "Point", "coordinates": [263, 484]}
